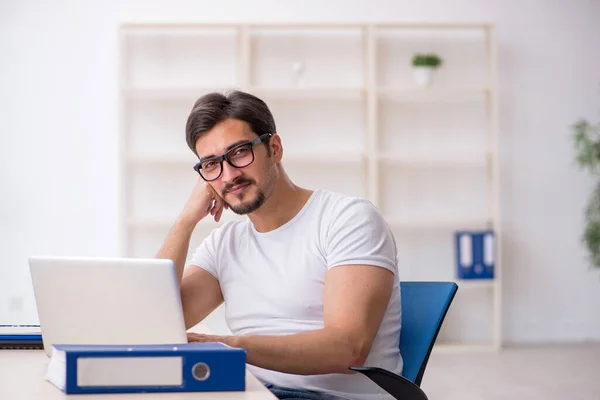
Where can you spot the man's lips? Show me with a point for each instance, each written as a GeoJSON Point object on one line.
{"type": "Point", "coordinates": [238, 188]}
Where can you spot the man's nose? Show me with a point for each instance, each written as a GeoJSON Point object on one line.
{"type": "Point", "coordinates": [229, 173]}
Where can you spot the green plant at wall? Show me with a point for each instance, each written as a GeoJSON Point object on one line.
{"type": "Point", "coordinates": [587, 145]}
{"type": "Point", "coordinates": [426, 60]}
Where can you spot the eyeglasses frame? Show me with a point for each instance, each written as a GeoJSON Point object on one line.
{"type": "Point", "coordinates": [220, 159]}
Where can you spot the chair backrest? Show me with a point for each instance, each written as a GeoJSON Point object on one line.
{"type": "Point", "coordinates": [424, 307]}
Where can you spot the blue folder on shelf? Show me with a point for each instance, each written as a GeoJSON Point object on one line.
{"type": "Point", "coordinates": [475, 254]}
{"type": "Point", "coordinates": [189, 367]}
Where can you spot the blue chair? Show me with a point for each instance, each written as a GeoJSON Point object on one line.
{"type": "Point", "coordinates": [424, 307]}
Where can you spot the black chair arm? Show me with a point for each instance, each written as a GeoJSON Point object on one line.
{"type": "Point", "coordinates": [396, 385]}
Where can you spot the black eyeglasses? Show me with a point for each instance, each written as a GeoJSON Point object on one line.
{"type": "Point", "coordinates": [239, 157]}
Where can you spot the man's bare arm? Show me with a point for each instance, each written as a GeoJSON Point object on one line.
{"type": "Point", "coordinates": [355, 301]}
{"type": "Point", "coordinates": [200, 295]}
{"type": "Point", "coordinates": [177, 243]}
{"type": "Point", "coordinates": [200, 291]}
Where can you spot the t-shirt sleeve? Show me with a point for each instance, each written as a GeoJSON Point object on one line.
{"type": "Point", "coordinates": [205, 255]}
{"type": "Point", "coordinates": [358, 234]}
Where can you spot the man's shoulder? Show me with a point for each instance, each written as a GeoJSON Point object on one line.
{"type": "Point", "coordinates": [343, 212]}
{"type": "Point", "coordinates": [336, 203]}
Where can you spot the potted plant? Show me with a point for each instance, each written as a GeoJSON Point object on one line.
{"type": "Point", "coordinates": [587, 145]}
{"type": "Point", "coordinates": [424, 67]}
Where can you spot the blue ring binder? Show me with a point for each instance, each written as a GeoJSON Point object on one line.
{"type": "Point", "coordinates": [475, 254]}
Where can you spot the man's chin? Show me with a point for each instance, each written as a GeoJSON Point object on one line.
{"type": "Point", "coordinates": [239, 211]}
{"type": "Point", "coordinates": [246, 207]}
{"type": "Point", "coordinates": [242, 208]}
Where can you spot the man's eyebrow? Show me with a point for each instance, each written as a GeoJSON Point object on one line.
{"type": "Point", "coordinates": [231, 146]}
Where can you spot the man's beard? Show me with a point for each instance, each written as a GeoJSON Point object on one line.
{"type": "Point", "coordinates": [248, 207]}
{"type": "Point", "coordinates": [253, 205]}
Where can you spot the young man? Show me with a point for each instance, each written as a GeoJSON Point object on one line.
{"type": "Point", "coordinates": [309, 280]}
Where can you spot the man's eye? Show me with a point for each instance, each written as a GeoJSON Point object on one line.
{"type": "Point", "coordinates": [210, 165]}
{"type": "Point", "coordinates": [241, 152]}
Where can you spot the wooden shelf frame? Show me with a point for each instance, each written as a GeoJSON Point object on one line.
{"type": "Point", "coordinates": [371, 94]}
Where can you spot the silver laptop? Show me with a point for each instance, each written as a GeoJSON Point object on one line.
{"type": "Point", "coordinates": [107, 301]}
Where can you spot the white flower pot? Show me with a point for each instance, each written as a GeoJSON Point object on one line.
{"type": "Point", "coordinates": [423, 76]}
{"type": "Point", "coordinates": [298, 69]}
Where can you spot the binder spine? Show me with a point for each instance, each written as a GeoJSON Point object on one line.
{"type": "Point", "coordinates": [210, 371]}
{"type": "Point", "coordinates": [475, 254]}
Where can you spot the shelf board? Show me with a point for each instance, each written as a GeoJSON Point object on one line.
{"type": "Point", "coordinates": [433, 93]}
{"type": "Point", "coordinates": [167, 26]}
{"type": "Point", "coordinates": [167, 223]}
{"type": "Point", "coordinates": [303, 26]}
{"type": "Point", "coordinates": [176, 159]}
{"type": "Point", "coordinates": [476, 283]}
{"type": "Point", "coordinates": [347, 158]}
{"type": "Point", "coordinates": [404, 94]}
{"type": "Point", "coordinates": [434, 25]}
{"type": "Point", "coordinates": [190, 159]}
{"type": "Point", "coordinates": [169, 93]}
{"type": "Point", "coordinates": [271, 92]}
{"type": "Point", "coordinates": [457, 159]}
{"type": "Point", "coordinates": [171, 28]}
{"type": "Point", "coordinates": [451, 348]}
{"type": "Point", "coordinates": [308, 92]}
{"type": "Point", "coordinates": [438, 223]}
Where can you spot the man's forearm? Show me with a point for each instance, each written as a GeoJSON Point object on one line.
{"type": "Point", "coordinates": [177, 243]}
{"type": "Point", "coordinates": [322, 351]}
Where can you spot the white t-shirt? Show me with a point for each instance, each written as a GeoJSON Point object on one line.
{"type": "Point", "coordinates": [273, 282]}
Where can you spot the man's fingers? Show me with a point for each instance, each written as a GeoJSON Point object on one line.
{"type": "Point", "coordinates": [191, 337]}
{"type": "Point", "coordinates": [220, 204]}
{"type": "Point", "coordinates": [194, 337]}
{"type": "Point", "coordinates": [218, 214]}
{"type": "Point", "coordinates": [197, 337]}
{"type": "Point", "coordinates": [215, 195]}
{"type": "Point", "coordinates": [216, 206]}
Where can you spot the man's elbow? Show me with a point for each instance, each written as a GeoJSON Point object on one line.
{"type": "Point", "coordinates": [356, 356]}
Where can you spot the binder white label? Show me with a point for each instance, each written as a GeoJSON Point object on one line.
{"type": "Point", "coordinates": [488, 249]}
{"type": "Point", "coordinates": [466, 252]}
{"type": "Point", "coordinates": [129, 371]}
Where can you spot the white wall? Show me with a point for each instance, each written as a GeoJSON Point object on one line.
{"type": "Point", "coordinates": [58, 124]}
{"type": "Point", "coordinates": [58, 121]}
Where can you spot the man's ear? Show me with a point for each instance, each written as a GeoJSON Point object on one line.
{"type": "Point", "coordinates": [276, 148]}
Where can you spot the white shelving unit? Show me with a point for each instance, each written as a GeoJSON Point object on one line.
{"type": "Point", "coordinates": [353, 122]}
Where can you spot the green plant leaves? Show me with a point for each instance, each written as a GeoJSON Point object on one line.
{"type": "Point", "coordinates": [587, 146]}
{"type": "Point", "coordinates": [426, 60]}
{"type": "Point", "coordinates": [591, 234]}
{"type": "Point", "coordinates": [586, 138]}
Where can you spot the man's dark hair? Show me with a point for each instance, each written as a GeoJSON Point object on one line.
{"type": "Point", "coordinates": [213, 108]}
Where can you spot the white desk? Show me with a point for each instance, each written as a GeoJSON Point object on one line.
{"type": "Point", "coordinates": [22, 378]}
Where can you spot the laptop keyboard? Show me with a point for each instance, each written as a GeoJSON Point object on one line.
{"type": "Point", "coordinates": [13, 345]}
{"type": "Point", "coordinates": [20, 337]}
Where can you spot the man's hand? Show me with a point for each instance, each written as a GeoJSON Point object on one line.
{"type": "Point", "coordinates": [203, 200]}
{"type": "Point", "coordinates": [203, 338]}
